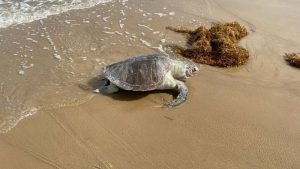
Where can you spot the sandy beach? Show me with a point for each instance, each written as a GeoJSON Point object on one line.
{"type": "Point", "coordinates": [246, 117]}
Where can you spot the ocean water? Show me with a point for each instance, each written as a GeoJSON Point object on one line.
{"type": "Point", "coordinates": [24, 11]}
{"type": "Point", "coordinates": [23, 83]}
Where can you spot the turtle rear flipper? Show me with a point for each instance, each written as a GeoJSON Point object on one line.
{"type": "Point", "coordinates": [181, 97]}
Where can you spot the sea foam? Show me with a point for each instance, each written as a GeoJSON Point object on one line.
{"type": "Point", "coordinates": [13, 12]}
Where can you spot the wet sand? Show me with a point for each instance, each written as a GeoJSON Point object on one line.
{"type": "Point", "coordinates": [246, 117]}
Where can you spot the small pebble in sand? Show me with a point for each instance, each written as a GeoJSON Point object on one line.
{"type": "Point", "coordinates": [93, 49]}
{"type": "Point", "coordinates": [163, 40]}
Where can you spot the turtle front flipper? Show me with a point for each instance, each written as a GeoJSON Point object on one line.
{"type": "Point", "coordinates": [181, 97]}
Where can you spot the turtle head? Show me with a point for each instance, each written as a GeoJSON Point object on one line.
{"type": "Point", "coordinates": [191, 68]}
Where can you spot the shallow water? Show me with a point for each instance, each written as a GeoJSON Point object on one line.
{"type": "Point", "coordinates": [23, 11]}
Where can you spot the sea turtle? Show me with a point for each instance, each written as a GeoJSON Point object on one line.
{"type": "Point", "coordinates": [146, 73]}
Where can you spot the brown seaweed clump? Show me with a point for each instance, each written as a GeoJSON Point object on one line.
{"type": "Point", "coordinates": [293, 59]}
{"type": "Point", "coordinates": [216, 46]}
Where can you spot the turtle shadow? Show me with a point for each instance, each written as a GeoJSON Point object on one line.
{"type": "Point", "coordinates": [124, 95]}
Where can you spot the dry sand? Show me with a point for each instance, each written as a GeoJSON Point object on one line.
{"type": "Point", "coordinates": [246, 117]}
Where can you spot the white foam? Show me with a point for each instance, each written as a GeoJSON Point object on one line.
{"type": "Point", "coordinates": [145, 26]}
{"type": "Point", "coordinates": [107, 32]}
{"type": "Point", "coordinates": [21, 72]}
{"type": "Point", "coordinates": [160, 14]}
{"type": "Point", "coordinates": [83, 58]}
{"type": "Point", "coordinates": [12, 121]}
{"type": "Point", "coordinates": [105, 19]}
{"type": "Point", "coordinates": [27, 66]}
{"type": "Point", "coordinates": [146, 43]}
{"type": "Point", "coordinates": [32, 40]}
{"type": "Point", "coordinates": [69, 21]}
{"type": "Point", "coordinates": [17, 43]}
{"type": "Point", "coordinates": [121, 24]}
{"type": "Point", "coordinates": [112, 33]}
{"type": "Point", "coordinates": [171, 13]}
{"type": "Point", "coordinates": [23, 12]}
{"type": "Point", "coordinates": [123, 2]}
{"type": "Point", "coordinates": [57, 56]}
{"type": "Point", "coordinates": [106, 28]}
{"type": "Point", "coordinates": [122, 12]}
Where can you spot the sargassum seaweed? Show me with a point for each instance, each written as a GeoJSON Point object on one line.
{"type": "Point", "coordinates": [217, 46]}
